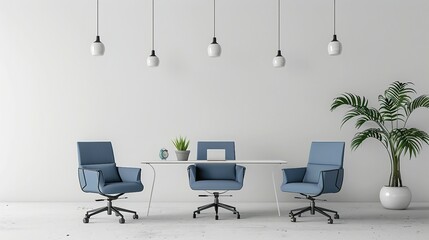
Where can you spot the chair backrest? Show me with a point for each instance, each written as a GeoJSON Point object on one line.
{"type": "Point", "coordinates": [215, 171]}
{"type": "Point", "coordinates": [99, 156]}
{"type": "Point", "coordinates": [323, 156]}
{"type": "Point", "coordinates": [228, 146]}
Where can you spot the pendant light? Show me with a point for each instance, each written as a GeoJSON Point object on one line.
{"type": "Point", "coordinates": [334, 47]}
{"type": "Point", "coordinates": [279, 60]}
{"type": "Point", "coordinates": [153, 60]}
{"type": "Point", "coordinates": [214, 49]}
{"type": "Point", "coordinates": [97, 47]}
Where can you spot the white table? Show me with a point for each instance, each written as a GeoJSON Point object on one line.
{"type": "Point", "coordinates": [190, 162]}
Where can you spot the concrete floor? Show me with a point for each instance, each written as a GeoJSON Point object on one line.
{"type": "Point", "coordinates": [174, 221]}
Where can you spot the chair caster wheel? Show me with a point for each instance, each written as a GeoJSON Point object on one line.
{"type": "Point", "coordinates": [194, 215]}
{"type": "Point", "coordinates": [238, 216]}
{"type": "Point", "coordinates": [217, 217]}
{"type": "Point", "coordinates": [292, 219]}
{"type": "Point", "coordinates": [85, 220]}
{"type": "Point", "coordinates": [299, 215]}
{"type": "Point", "coordinates": [330, 221]}
{"type": "Point", "coordinates": [121, 220]}
{"type": "Point", "coordinates": [290, 214]}
{"type": "Point", "coordinates": [135, 216]}
{"type": "Point", "coordinates": [336, 216]}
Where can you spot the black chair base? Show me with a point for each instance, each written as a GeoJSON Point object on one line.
{"type": "Point", "coordinates": [109, 208]}
{"type": "Point", "coordinates": [216, 205]}
{"type": "Point", "coordinates": [313, 209]}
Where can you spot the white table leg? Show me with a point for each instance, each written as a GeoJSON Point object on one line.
{"type": "Point", "coordinates": [275, 192]}
{"type": "Point", "coordinates": [151, 190]}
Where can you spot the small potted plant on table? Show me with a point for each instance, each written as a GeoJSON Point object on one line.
{"type": "Point", "coordinates": [181, 144]}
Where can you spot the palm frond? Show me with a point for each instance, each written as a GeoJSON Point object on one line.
{"type": "Point", "coordinates": [419, 102]}
{"type": "Point", "coordinates": [360, 137]}
{"type": "Point", "coordinates": [409, 140]}
{"type": "Point", "coordinates": [349, 99]}
{"type": "Point", "coordinates": [389, 110]}
{"type": "Point", "coordinates": [368, 114]}
{"type": "Point", "coordinates": [399, 92]}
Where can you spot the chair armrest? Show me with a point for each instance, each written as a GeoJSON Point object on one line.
{"type": "Point", "coordinates": [331, 180]}
{"type": "Point", "coordinates": [90, 180]}
{"type": "Point", "coordinates": [291, 175]}
{"type": "Point", "coordinates": [129, 174]}
{"type": "Point", "coordinates": [192, 173]}
{"type": "Point", "coordinates": [239, 173]}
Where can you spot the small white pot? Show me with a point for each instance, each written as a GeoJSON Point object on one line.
{"type": "Point", "coordinates": [395, 198]}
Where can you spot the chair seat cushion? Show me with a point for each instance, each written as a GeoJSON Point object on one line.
{"type": "Point", "coordinates": [121, 187]}
{"type": "Point", "coordinates": [305, 188]}
{"type": "Point", "coordinates": [216, 185]}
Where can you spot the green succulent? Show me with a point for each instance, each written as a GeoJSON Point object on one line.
{"type": "Point", "coordinates": [181, 143]}
{"type": "Point", "coordinates": [388, 123]}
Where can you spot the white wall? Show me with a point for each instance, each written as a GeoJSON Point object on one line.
{"type": "Point", "coordinates": [54, 93]}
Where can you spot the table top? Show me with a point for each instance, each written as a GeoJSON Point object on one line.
{"type": "Point", "coordinates": [215, 161]}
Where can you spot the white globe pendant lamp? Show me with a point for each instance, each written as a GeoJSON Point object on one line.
{"type": "Point", "coordinates": [334, 47]}
{"type": "Point", "coordinates": [278, 61]}
{"type": "Point", "coordinates": [214, 49]}
{"type": "Point", "coordinates": [153, 60]}
{"type": "Point", "coordinates": [97, 47]}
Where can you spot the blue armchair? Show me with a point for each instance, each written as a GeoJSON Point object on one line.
{"type": "Point", "coordinates": [98, 173]}
{"type": "Point", "coordinates": [323, 174]}
{"type": "Point", "coordinates": [217, 177]}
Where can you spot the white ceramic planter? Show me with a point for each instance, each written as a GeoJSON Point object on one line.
{"type": "Point", "coordinates": [183, 155]}
{"type": "Point", "coordinates": [395, 198]}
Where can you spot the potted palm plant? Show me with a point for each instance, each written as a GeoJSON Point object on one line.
{"type": "Point", "coordinates": [181, 144]}
{"type": "Point", "coordinates": [388, 125]}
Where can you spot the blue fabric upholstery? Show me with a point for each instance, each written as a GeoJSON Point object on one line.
{"type": "Point", "coordinates": [109, 170]}
{"type": "Point", "coordinates": [220, 176]}
{"type": "Point", "coordinates": [95, 153]}
{"type": "Point", "coordinates": [215, 171]}
{"type": "Point", "coordinates": [216, 185]}
{"type": "Point", "coordinates": [323, 174]}
{"type": "Point", "coordinates": [229, 148]}
{"type": "Point", "coordinates": [98, 172]}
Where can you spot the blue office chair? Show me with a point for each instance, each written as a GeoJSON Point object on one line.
{"type": "Point", "coordinates": [216, 177]}
{"type": "Point", "coordinates": [323, 174]}
{"type": "Point", "coordinates": [98, 173]}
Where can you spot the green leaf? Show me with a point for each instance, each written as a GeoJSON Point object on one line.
{"type": "Point", "coordinates": [409, 140]}
{"type": "Point", "coordinates": [181, 143]}
{"type": "Point", "coordinates": [360, 137]}
{"type": "Point", "coordinates": [399, 92]}
{"type": "Point", "coordinates": [419, 102]}
{"type": "Point", "coordinates": [349, 99]}
{"type": "Point", "coordinates": [389, 110]}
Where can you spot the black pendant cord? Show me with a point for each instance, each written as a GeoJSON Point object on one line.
{"type": "Point", "coordinates": [96, 18]}
{"type": "Point", "coordinates": [153, 26]}
{"type": "Point", "coordinates": [334, 19]}
{"type": "Point", "coordinates": [278, 25]}
{"type": "Point", "coordinates": [214, 18]}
